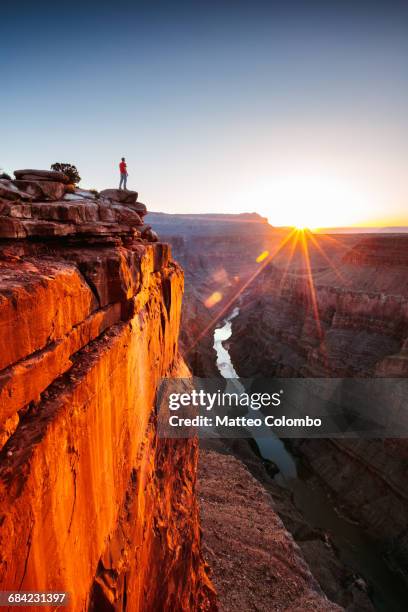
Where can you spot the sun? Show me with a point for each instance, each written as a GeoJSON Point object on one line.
{"type": "Point", "coordinates": [309, 201]}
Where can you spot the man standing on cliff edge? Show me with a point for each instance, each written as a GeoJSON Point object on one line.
{"type": "Point", "coordinates": [123, 174]}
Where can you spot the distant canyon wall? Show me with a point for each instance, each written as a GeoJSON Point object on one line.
{"type": "Point", "coordinates": [218, 254]}
{"type": "Point", "coordinates": [352, 322]}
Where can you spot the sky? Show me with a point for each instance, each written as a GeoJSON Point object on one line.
{"type": "Point", "coordinates": [296, 110]}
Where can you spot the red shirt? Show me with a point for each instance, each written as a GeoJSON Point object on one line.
{"type": "Point", "coordinates": [123, 167]}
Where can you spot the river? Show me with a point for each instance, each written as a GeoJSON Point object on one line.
{"type": "Point", "coordinates": [355, 548]}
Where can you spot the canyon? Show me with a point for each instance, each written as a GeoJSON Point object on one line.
{"type": "Point", "coordinates": [216, 267]}
{"type": "Point", "coordinates": [357, 285]}
{"type": "Point", "coordinates": [361, 331]}
{"type": "Point", "coordinates": [93, 502]}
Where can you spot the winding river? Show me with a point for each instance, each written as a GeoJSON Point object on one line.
{"type": "Point", "coordinates": [355, 548]}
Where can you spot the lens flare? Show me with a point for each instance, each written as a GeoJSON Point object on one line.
{"type": "Point", "coordinates": [262, 256]}
{"type": "Point", "coordinates": [296, 241]}
{"type": "Point", "coordinates": [213, 299]}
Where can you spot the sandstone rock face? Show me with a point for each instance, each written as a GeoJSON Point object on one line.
{"type": "Point", "coordinates": [9, 190]}
{"type": "Point", "coordinates": [41, 175]}
{"type": "Point", "coordinates": [164, 498]}
{"type": "Point", "coordinates": [150, 235]}
{"type": "Point", "coordinates": [39, 204]}
{"type": "Point", "coordinates": [81, 386]}
{"type": "Point", "coordinates": [276, 332]}
{"type": "Point", "coordinates": [120, 195]}
{"type": "Point", "coordinates": [91, 501]}
{"type": "Point", "coordinates": [139, 207]}
{"type": "Point", "coordinates": [31, 290]}
{"type": "Point", "coordinates": [42, 190]}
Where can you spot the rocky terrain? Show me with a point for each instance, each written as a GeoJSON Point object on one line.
{"type": "Point", "coordinates": [220, 255]}
{"type": "Point", "coordinates": [261, 568]}
{"type": "Point", "coordinates": [360, 285]}
{"type": "Point", "coordinates": [220, 250]}
{"type": "Point", "coordinates": [42, 203]}
{"type": "Point", "coordinates": [236, 484]}
{"type": "Point", "coordinates": [91, 501]}
{"type": "Point", "coordinates": [353, 321]}
{"type": "Point", "coordinates": [216, 266]}
{"type": "Point", "coordinates": [359, 319]}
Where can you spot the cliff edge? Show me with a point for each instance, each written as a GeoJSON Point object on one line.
{"type": "Point", "coordinates": [91, 501]}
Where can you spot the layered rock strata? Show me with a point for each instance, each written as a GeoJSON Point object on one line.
{"type": "Point", "coordinates": [218, 254]}
{"type": "Point", "coordinates": [91, 501]}
{"type": "Point", "coordinates": [44, 205]}
{"type": "Point", "coordinates": [351, 322]}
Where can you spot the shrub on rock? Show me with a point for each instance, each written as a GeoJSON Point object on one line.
{"type": "Point", "coordinates": [70, 170]}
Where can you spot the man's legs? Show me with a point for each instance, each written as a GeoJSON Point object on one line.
{"type": "Point", "coordinates": [125, 182]}
{"type": "Point", "coordinates": [122, 180]}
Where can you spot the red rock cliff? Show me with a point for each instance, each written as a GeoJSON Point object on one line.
{"type": "Point", "coordinates": [91, 501]}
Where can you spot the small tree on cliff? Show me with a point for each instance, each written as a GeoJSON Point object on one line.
{"type": "Point", "coordinates": [68, 169]}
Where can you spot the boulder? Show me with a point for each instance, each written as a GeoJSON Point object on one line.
{"type": "Point", "coordinates": [120, 195]}
{"type": "Point", "coordinates": [150, 235]}
{"type": "Point", "coordinates": [126, 215]}
{"type": "Point", "coordinates": [42, 190]}
{"type": "Point", "coordinates": [9, 191]}
{"type": "Point", "coordinates": [139, 207]}
{"type": "Point", "coordinates": [41, 175]}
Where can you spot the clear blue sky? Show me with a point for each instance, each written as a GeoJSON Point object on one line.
{"type": "Point", "coordinates": [277, 107]}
